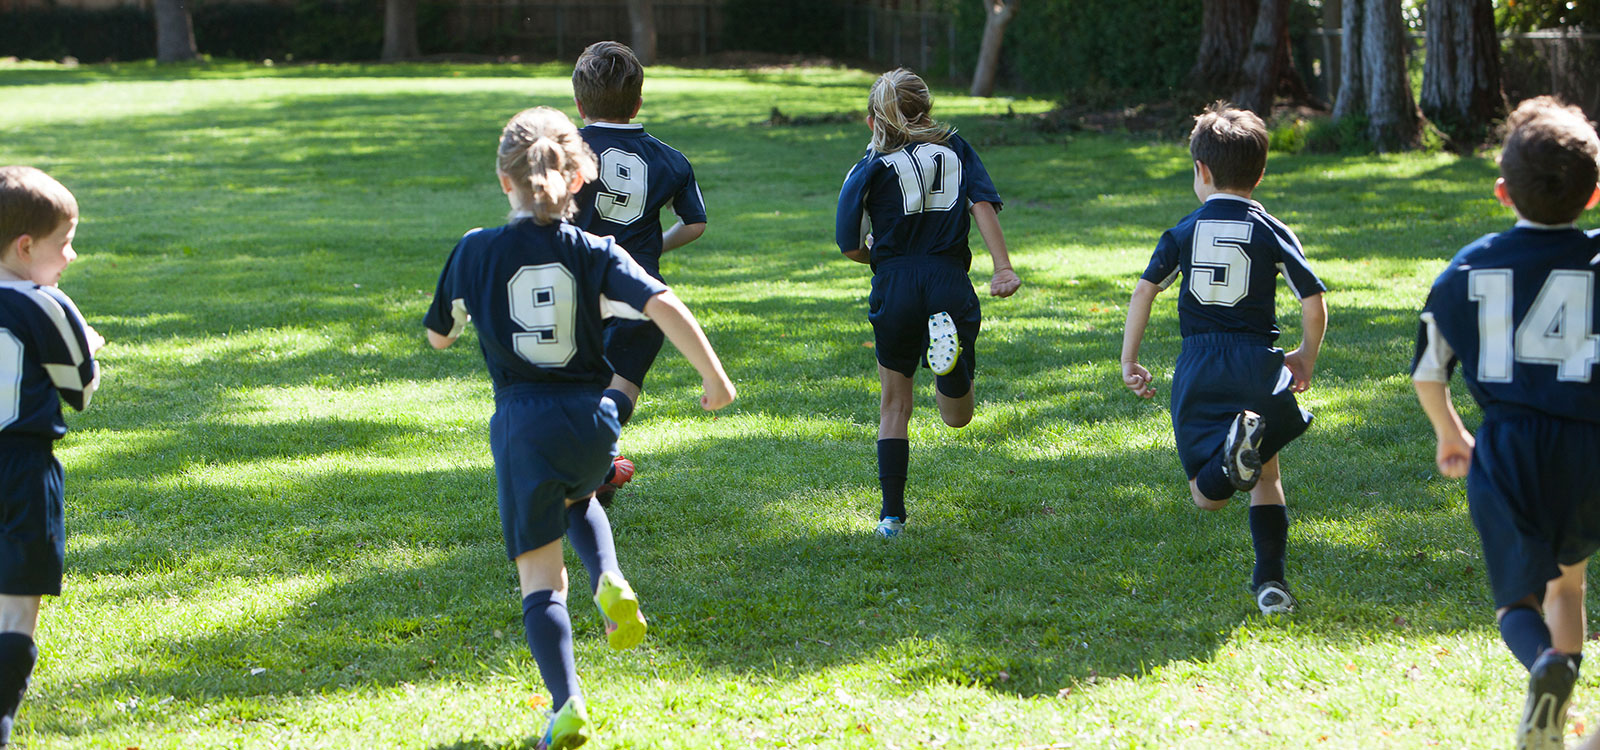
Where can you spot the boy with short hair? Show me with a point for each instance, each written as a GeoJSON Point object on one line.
{"type": "Point", "coordinates": [639, 176]}
{"type": "Point", "coordinates": [1233, 404]}
{"type": "Point", "coordinates": [46, 355]}
{"type": "Point", "coordinates": [1517, 311]}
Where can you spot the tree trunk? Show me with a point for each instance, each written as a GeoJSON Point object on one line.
{"type": "Point", "coordinates": [1225, 27]}
{"type": "Point", "coordinates": [1269, 51]}
{"type": "Point", "coordinates": [400, 30]}
{"type": "Point", "coordinates": [642, 19]}
{"type": "Point", "coordinates": [1332, 15]}
{"type": "Point", "coordinates": [998, 14]}
{"type": "Point", "coordinates": [174, 32]}
{"type": "Point", "coordinates": [1374, 82]}
{"type": "Point", "coordinates": [1461, 71]}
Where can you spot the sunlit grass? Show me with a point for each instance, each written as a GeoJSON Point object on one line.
{"type": "Point", "coordinates": [279, 475]}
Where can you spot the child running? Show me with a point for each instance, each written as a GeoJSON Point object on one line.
{"type": "Point", "coordinates": [638, 176]}
{"type": "Point", "coordinates": [914, 190]}
{"type": "Point", "coordinates": [1517, 311]}
{"type": "Point", "coordinates": [1233, 404]}
{"type": "Point", "coordinates": [536, 289]}
{"type": "Point", "coordinates": [46, 357]}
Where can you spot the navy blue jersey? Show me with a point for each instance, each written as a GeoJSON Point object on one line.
{"type": "Point", "coordinates": [914, 201]}
{"type": "Point", "coordinates": [538, 296]}
{"type": "Point", "coordinates": [1517, 310]}
{"type": "Point", "coordinates": [1230, 252]}
{"type": "Point", "coordinates": [44, 360]}
{"type": "Point", "coordinates": [639, 176]}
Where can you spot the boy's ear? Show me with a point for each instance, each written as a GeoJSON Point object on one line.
{"type": "Point", "coordinates": [581, 115]}
{"type": "Point", "coordinates": [1504, 195]}
{"type": "Point", "coordinates": [1204, 172]}
{"type": "Point", "coordinates": [636, 106]}
{"type": "Point", "coordinates": [1593, 199]}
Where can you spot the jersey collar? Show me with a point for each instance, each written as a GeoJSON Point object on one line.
{"type": "Point", "coordinates": [617, 125]}
{"type": "Point", "coordinates": [1231, 197]}
{"type": "Point", "coordinates": [1525, 224]}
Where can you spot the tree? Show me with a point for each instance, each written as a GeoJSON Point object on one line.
{"type": "Point", "coordinates": [1225, 33]}
{"type": "Point", "coordinates": [1373, 80]}
{"type": "Point", "coordinates": [1461, 70]}
{"type": "Point", "coordinates": [642, 19]}
{"type": "Point", "coordinates": [1269, 56]}
{"type": "Point", "coordinates": [997, 13]}
{"type": "Point", "coordinates": [400, 30]}
{"type": "Point", "coordinates": [174, 32]}
{"type": "Point", "coordinates": [1244, 53]}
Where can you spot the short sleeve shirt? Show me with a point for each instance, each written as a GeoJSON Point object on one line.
{"type": "Point", "coordinates": [538, 296]}
{"type": "Point", "coordinates": [915, 201]}
{"type": "Point", "coordinates": [639, 176]}
{"type": "Point", "coordinates": [1230, 252]}
{"type": "Point", "coordinates": [44, 360]}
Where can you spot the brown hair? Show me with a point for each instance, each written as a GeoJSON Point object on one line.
{"type": "Point", "coordinates": [1232, 143]}
{"type": "Point", "coordinates": [1548, 161]}
{"type": "Point", "coordinates": [902, 112]}
{"type": "Point", "coordinates": [541, 151]}
{"type": "Point", "coordinates": [32, 203]}
{"type": "Point", "coordinates": [607, 81]}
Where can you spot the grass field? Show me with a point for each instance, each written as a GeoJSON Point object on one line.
{"type": "Point", "coordinates": [281, 514]}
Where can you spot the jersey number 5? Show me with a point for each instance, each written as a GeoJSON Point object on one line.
{"type": "Point", "coordinates": [10, 378]}
{"type": "Point", "coordinates": [543, 303]}
{"type": "Point", "coordinates": [1220, 270]}
{"type": "Point", "coordinates": [625, 184]}
{"type": "Point", "coordinates": [1558, 328]}
{"type": "Point", "coordinates": [930, 177]}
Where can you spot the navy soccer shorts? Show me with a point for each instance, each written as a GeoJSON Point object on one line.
{"type": "Point", "coordinates": [1534, 497]}
{"type": "Point", "coordinates": [1219, 375]}
{"type": "Point", "coordinates": [33, 534]}
{"type": "Point", "coordinates": [905, 291]}
{"type": "Point", "coordinates": [632, 347]}
{"type": "Point", "coordinates": [551, 442]}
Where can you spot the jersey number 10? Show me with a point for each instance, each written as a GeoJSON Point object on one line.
{"type": "Point", "coordinates": [1558, 328]}
{"type": "Point", "coordinates": [930, 177]}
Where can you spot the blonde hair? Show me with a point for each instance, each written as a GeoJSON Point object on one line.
{"type": "Point", "coordinates": [32, 203]}
{"type": "Point", "coordinates": [541, 152]}
{"type": "Point", "coordinates": [901, 107]}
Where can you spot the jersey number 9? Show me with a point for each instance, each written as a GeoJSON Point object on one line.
{"type": "Point", "coordinates": [625, 184]}
{"type": "Point", "coordinates": [543, 303]}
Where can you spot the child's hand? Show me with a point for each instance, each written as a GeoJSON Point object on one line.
{"type": "Point", "coordinates": [719, 392]}
{"type": "Point", "coordinates": [95, 339]}
{"type": "Point", "coordinates": [1454, 456]}
{"type": "Point", "coordinates": [1137, 379]}
{"type": "Point", "coordinates": [1004, 283]}
{"type": "Point", "coordinates": [1301, 367]}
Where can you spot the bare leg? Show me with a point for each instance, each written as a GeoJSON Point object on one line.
{"type": "Point", "coordinates": [19, 614]}
{"type": "Point", "coordinates": [1269, 488]}
{"type": "Point", "coordinates": [1563, 608]}
{"type": "Point", "coordinates": [619, 383]}
{"type": "Point", "coordinates": [543, 569]}
{"type": "Point", "coordinates": [1205, 503]}
{"type": "Point", "coordinates": [956, 412]}
{"type": "Point", "coordinates": [894, 410]}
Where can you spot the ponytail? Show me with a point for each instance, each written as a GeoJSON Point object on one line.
{"type": "Point", "coordinates": [902, 112]}
{"type": "Point", "coordinates": [541, 152]}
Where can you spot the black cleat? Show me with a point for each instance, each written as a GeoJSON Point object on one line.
{"type": "Point", "coordinates": [1241, 461]}
{"type": "Point", "coordinates": [1544, 716]}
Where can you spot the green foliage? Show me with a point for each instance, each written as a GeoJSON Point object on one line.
{"type": "Point", "coordinates": [815, 27]}
{"type": "Point", "coordinates": [1346, 136]}
{"type": "Point", "coordinates": [1289, 135]}
{"type": "Point", "coordinates": [125, 32]}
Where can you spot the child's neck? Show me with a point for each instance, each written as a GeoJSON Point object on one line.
{"type": "Point", "coordinates": [593, 120]}
{"type": "Point", "coordinates": [1235, 192]}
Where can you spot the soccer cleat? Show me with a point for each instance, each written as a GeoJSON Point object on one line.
{"type": "Point", "coordinates": [621, 474]}
{"type": "Point", "coordinates": [1273, 598]}
{"type": "Point", "coordinates": [944, 348]}
{"type": "Point", "coordinates": [619, 607]}
{"type": "Point", "coordinates": [889, 527]}
{"type": "Point", "coordinates": [1544, 716]}
{"type": "Point", "coordinates": [569, 727]}
{"type": "Point", "coordinates": [1241, 459]}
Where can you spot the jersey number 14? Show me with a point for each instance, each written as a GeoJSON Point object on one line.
{"type": "Point", "coordinates": [1558, 328]}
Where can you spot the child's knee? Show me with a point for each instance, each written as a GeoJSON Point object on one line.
{"type": "Point", "coordinates": [1205, 503]}
{"type": "Point", "coordinates": [955, 418]}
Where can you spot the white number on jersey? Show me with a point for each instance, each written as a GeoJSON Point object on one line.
{"type": "Point", "coordinates": [624, 178]}
{"type": "Point", "coordinates": [10, 378]}
{"type": "Point", "coordinates": [543, 303]}
{"type": "Point", "coordinates": [930, 177]}
{"type": "Point", "coordinates": [1220, 271]}
{"type": "Point", "coordinates": [1558, 329]}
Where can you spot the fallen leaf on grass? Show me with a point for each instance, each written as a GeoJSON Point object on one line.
{"type": "Point", "coordinates": [539, 702]}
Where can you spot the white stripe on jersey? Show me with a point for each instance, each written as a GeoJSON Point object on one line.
{"type": "Point", "coordinates": [1284, 272]}
{"type": "Point", "coordinates": [610, 308]}
{"type": "Point", "coordinates": [1434, 364]}
{"type": "Point", "coordinates": [458, 317]}
{"type": "Point", "coordinates": [1171, 277]}
{"type": "Point", "coordinates": [63, 375]}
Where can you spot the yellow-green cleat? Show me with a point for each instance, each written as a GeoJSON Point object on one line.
{"type": "Point", "coordinates": [619, 607]}
{"type": "Point", "coordinates": [569, 727]}
{"type": "Point", "coordinates": [944, 346]}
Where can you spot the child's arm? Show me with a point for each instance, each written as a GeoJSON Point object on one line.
{"type": "Point", "coordinates": [1004, 283]}
{"type": "Point", "coordinates": [1454, 455]}
{"type": "Point", "coordinates": [1303, 361]}
{"type": "Point", "coordinates": [681, 234]}
{"type": "Point", "coordinates": [675, 320]}
{"type": "Point", "coordinates": [1134, 376]}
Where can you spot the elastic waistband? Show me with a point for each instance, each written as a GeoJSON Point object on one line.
{"type": "Point", "coordinates": [17, 441]}
{"type": "Point", "coordinates": [1228, 339]}
{"type": "Point", "coordinates": [1503, 411]}
{"type": "Point", "coordinates": [546, 390]}
{"type": "Point", "coordinates": [923, 261]}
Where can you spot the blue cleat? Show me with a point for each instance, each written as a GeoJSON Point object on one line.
{"type": "Point", "coordinates": [1544, 715]}
{"type": "Point", "coordinates": [1241, 461]}
{"type": "Point", "coordinates": [889, 527]}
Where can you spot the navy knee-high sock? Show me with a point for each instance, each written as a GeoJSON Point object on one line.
{"type": "Point", "coordinates": [894, 459]}
{"type": "Point", "coordinates": [1212, 482]}
{"type": "Point", "coordinates": [1269, 532]}
{"type": "Point", "coordinates": [624, 404]}
{"type": "Point", "coordinates": [1525, 633]}
{"type": "Point", "coordinates": [549, 631]}
{"type": "Point", "coordinates": [589, 532]}
{"type": "Point", "coordinates": [954, 385]}
{"type": "Point", "coordinates": [17, 657]}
